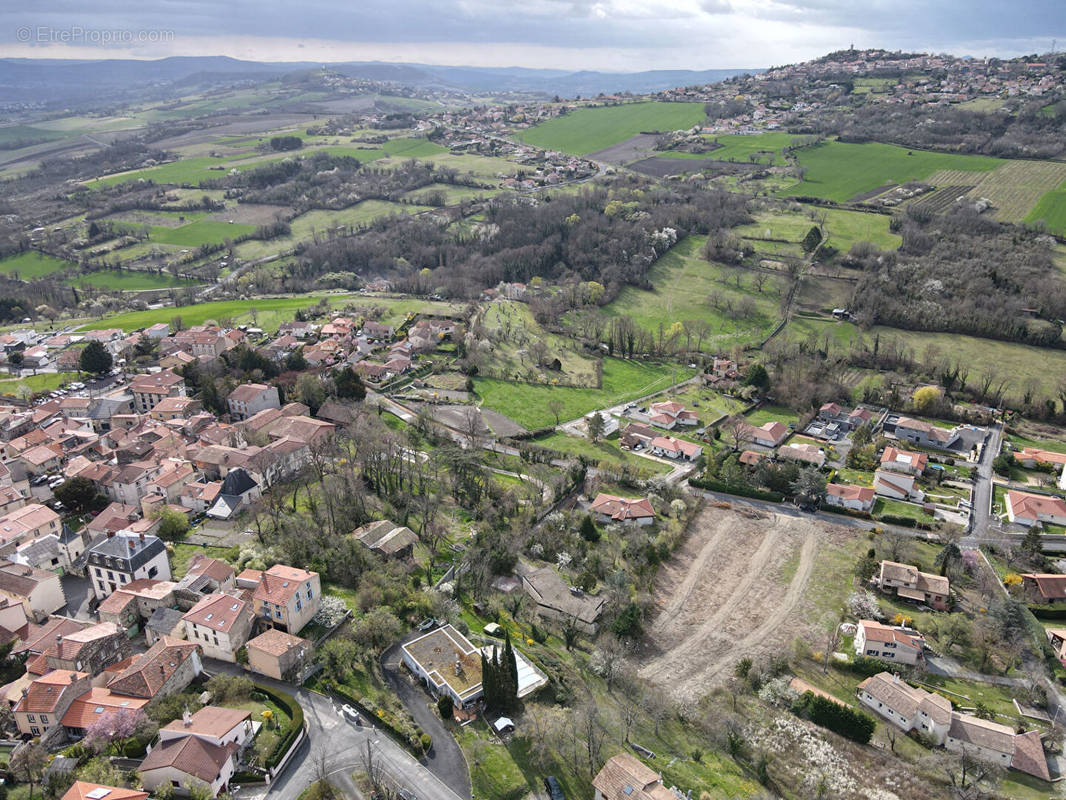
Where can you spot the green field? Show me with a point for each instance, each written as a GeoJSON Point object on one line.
{"type": "Point", "coordinates": [587, 130]}
{"type": "Point", "coordinates": [31, 264]}
{"type": "Point", "coordinates": [683, 281]}
{"type": "Point", "coordinates": [839, 170]}
{"type": "Point", "coordinates": [739, 147]}
{"type": "Point", "coordinates": [843, 228]}
{"type": "Point", "coordinates": [194, 234]}
{"type": "Point", "coordinates": [1051, 210]}
{"type": "Point", "coordinates": [41, 382]}
{"type": "Point", "coordinates": [511, 329]}
{"type": "Point", "coordinates": [130, 280]}
{"type": "Point", "coordinates": [606, 451]}
{"type": "Point", "coordinates": [1019, 363]}
{"type": "Point", "coordinates": [201, 312]}
{"type": "Point", "coordinates": [12, 134]}
{"type": "Point", "coordinates": [528, 404]}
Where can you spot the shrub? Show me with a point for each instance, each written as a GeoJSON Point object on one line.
{"type": "Point", "coordinates": [445, 706]}
{"type": "Point", "coordinates": [838, 718]}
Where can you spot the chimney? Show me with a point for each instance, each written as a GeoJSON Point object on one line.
{"type": "Point", "coordinates": [110, 534]}
{"type": "Point", "coordinates": [133, 546]}
{"type": "Point", "coordinates": [186, 718]}
{"type": "Point", "coordinates": [458, 668]}
{"type": "Point", "coordinates": [59, 637]}
{"type": "Point", "coordinates": [140, 536]}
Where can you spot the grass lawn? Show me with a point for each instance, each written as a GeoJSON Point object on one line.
{"type": "Point", "coordinates": [587, 130]}
{"type": "Point", "coordinates": [41, 382]}
{"type": "Point", "coordinates": [31, 264]}
{"type": "Point", "coordinates": [201, 312]}
{"type": "Point", "coordinates": [200, 232]}
{"type": "Point", "coordinates": [130, 280]}
{"type": "Point", "coordinates": [839, 170]}
{"type": "Point", "coordinates": [683, 282]}
{"type": "Point", "coordinates": [512, 330]}
{"type": "Point", "coordinates": [181, 553]}
{"type": "Point", "coordinates": [898, 508]}
{"type": "Point", "coordinates": [1021, 442]}
{"type": "Point", "coordinates": [1051, 210]}
{"type": "Point", "coordinates": [1020, 363]}
{"type": "Point", "coordinates": [843, 228]}
{"type": "Point", "coordinates": [606, 450]}
{"type": "Point", "coordinates": [764, 414]}
{"type": "Point", "coordinates": [529, 404]}
{"type": "Point", "coordinates": [738, 147]}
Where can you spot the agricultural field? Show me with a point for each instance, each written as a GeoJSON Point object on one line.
{"type": "Point", "coordinates": [1015, 189]}
{"type": "Point", "coordinates": [31, 264]}
{"type": "Point", "coordinates": [840, 171]}
{"type": "Point", "coordinates": [12, 134]}
{"type": "Point", "coordinates": [531, 405]}
{"type": "Point", "coordinates": [200, 232]}
{"type": "Point", "coordinates": [452, 194]}
{"type": "Point", "coordinates": [511, 330]}
{"type": "Point", "coordinates": [684, 283]}
{"type": "Point", "coordinates": [1020, 364]}
{"type": "Point", "coordinates": [766, 147]}
{"type": "Point", "coordinates": [199, 313]}
{"type": "Point", "coordinates": [130, 280]}
{"type": "Point", "coordinates": [842, 228]}
{"type": "Point", "coordinates": [606, 451]}
{"type": "Point", "coordinates": [1051, 210]}
{"type": "Point", "coordinates": [587, 130]}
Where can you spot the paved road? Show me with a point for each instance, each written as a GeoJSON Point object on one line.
{"type": "Point", "coordinates": [343, 745]}
{"type": "Point", "coordinates": [446, 759]}
{"type": "Point", "coordinates": [982, 495]}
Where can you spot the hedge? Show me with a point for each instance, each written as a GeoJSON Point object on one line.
{"type": "Point", "coordinates": [848, 512]}
{"type": "Point", "coordinates": [907, 522]}
{"type": "Point", "coordinates": [247, 777]}
{"type": "Point", "coordinates": [838, 718]}
{"type": "Point", "coordinates": [863, 665]}
{"type": "Point", "coordinates": [1048, 612]}
{"type": "Point", "coordinates": [288, 702]}
{"type": "Point", "coordinates": [739, 491]}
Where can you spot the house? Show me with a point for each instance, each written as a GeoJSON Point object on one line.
{"type": "Point", "coordinates": [897, 486]}
{"type": "Point", "coordinates": [25, 524]}
{"type": "Point", "coordinates": [167, 667]}
{"type": "Point", "coordinates": [751, 458]}
{"type": "Point", "coordinates": [221, 624]}
{"type": "Point", "coordinates": [164, 622]}
{"type": "Point", "coordinates": [669, 447]}
{"type": "Point", "coordinates": [81, 790]}
{"type": "Point", "coordinates": [287, 597]}
{"type": "Point", "coordinates": [1057, 639]}
{"type": "Point", "coordinates": [997, 744]}
{"type": "Point", "coordinates": [557, 600]}
{"type": "Point", "coordinates": [237, 491]}
{"type": "Point", "coordinates": [625, 510]}
{"type": "Point", "coordinates": [184, 761]}
{"type": "Point", "coordinates": [668, 414]}
{"type": "Point", "coordinates": [636, 436]}
{"type": "Point", "coordinates": [40, 592]}
{"type": "Point", "coordinates": [158, 331]}
{"type": "Point", "coordinates": [251, 398]}
{"type": "Point", "coordinates": [725, 368]}
{"type": "Point", "coordinates": [925, 433]}
{"type": "Point", "coordinates": [904, 461]}
{"type": "Point", "coordinates": [912, 584]}
{"type": "Point", "coordinates": [447, 663]}
{"type": "Point", "coordinates": [213, 724]}
{"type": "Point", "coordinates": [91, 649]}
{"type": "Point", "coordinates": [1029, 457]}
{"type": "Point", "coordinates": [46, 700]}
{"type": "Point", "coordinates": [624, 777]}
{"type": "Point", "coordinates": [124, 557]}
{"type": "Point", "coordinates": [830, 412]}
{"type": "Point", "coordinates": [279, 655]}
{"type": "Point", "coordinates": [387, 538]}
{"type": "Point", "coordinates": [905, 706]}
{"type": "Point", "coordinates": [148, 390]}
{"type": "Point", "coordinates": [87, 708]}
{"type": "Point", "coordinates": [807, 453]}
{"type": "Point", "coordinates": [769, 434]}
{"type": "Point", "coordinates": [1024, 508]}
{"type": "Point", "coordinates": [1045, 587]}
{"type": "Point", "coordinates": [205, 575]}
{"type": "Point", "coordinates": [899, 645]}
{"type": "Point", "coordinates": [857, 498]}
{"type": "Point", "coordinates": [175, 408]}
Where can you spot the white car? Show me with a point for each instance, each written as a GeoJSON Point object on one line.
{"type": "Point", "coordinates": [350, 713]}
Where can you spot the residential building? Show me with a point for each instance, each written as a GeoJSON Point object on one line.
{"type": "Point", "coordinates": [925, 433]}
{"type": "Point", "coordinates": [857, 498]}
{"type": "Point", "coordinates": [81, 790]}
{"type": "Point", "coordinates": [164, 622]}
{"type": "Point", "coordinates": [91, 649]}
{"type": "Point", "coordinates": [167, 667]}
{"type": "Point", "coordinates": [1025, 508]}
{"type": "Point", "coordinates": [1044, 587]}
{"type": "Point", "coordinates": [387, 538]}
{"type": "Point", "coordinates": [279, 655]}
{"type": "Point", "coordinates": [117, 560]}
{"type": "Point", "coordinates": [907, 707]}
{"type": "Point", "coordinates": [186, 760]}
{"type": "Point", "coordinates": [25, 524]}
{"type": "Point", "coordinates": [47, 699]}
{"type": "Point", "coordinates": [910, 583]}
{"type": "Point", "coordinates": [807, 453]}
{"type": "Point", "coordinates": [897, 486]}
{"type": "Point", "coordinates": [769, 434]}
{"type": "Point", "coordinates": [237, 491]}
{"type": "Point", "coordinates": [205, 575]}
{"type": "Point", "coordinates": [213, 724]}
{"type": "Point", "coordinates": [669, 447]}
{"type": "Point", "coordinates": [287, 597]}
{"type": "Point", "coordinates": [670, 414]}
{"type": "Point", "coordinates": [624, 510]}
{"type": "Point", "coordinates": [148, 390]}
{"type": "Point", "coordinates": [87, 708]}
{"type": "Point", "coordinates": [904, 461]}
{"type": "Point", "coordinates": [558, 601]}
{"type": "Point", "coordinates": [251, 398]}
{"type": "Point", "coordinates": [447, 663]}
{"type": "Point", "coordinates": [40, 592]}
{"type": "Point", "coordinates": [221, 624]}
{"type": "Point", "coordinates": [624, 777]}
{"type": "Point", "coordinates": [898, 645]}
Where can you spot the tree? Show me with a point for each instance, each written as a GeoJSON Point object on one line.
{"type": "Point", "coordinates": [29, 762]}
{"type": "Point", "coordinates": [15, 359]}
{"type": "Point", "coordinates": [445, 706]}
{"type": "Point", "coordinates": [310, 391]}
{"type": "Point", "coordinates": [80, 494]}
{"type": "Point", "coordinates": [628, 624]}
{"type": "Point", "coordinates": [926, 399]}
{"type": "Point", "coordinates": [173, 525]}
{"type": "Point", "coordinates": [757, 376]}
{"type": "Point", "coordinates": [556, 406]}
{"type": "Point", "coordinates": [948, 554]}
{"type": "Point", "coordinates": [736, 427]}
{"type": "Point", "coordinates": [809, 484]}
{"type": "Point", "coordinates": [589, 531]}
{"type": "Point", "coordinates": [812, 239]}
{"type": "Point", "coordinates": [349, 385]}
{"type": "Point", "coordinates": [595, 426]}
{"type": "Point", "coordinates": [95, 359]}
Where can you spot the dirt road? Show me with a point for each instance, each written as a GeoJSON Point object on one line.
{"type": "Point", "coordinates": [734, 589]}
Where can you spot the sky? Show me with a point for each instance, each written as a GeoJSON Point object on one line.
{"type": "Point", "coordinates": [610, 35]}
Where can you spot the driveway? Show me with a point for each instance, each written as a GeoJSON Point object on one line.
{"type": "Point", "coordinates": [445, 759]}
{"type": "Point", "coordinates": [343, 746]}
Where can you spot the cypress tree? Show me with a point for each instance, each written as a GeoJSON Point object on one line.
{"type": "Point", "coordinates": [511, 666]}
{"type": "Point", "coordinates": [486, 679]}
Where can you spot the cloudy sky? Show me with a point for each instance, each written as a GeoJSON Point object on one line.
{"type": "Point", "coordinates": [619, 35]}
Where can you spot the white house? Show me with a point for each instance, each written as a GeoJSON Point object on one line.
{"type": "Point", "coordinates": [857, 498]}
{"type": "Point", "coordinates": [907, 707]}
{"type": "Point", "coordinates": [251, 398]}
{"type": "Point", "coordinates": [214, 724]}
{"type": "Point", "coordinates": [447, 663]}
{"type": "Point", "coordinates": [116, 560]}
{"type": "Point", "coordinates": [187, 760]}
{"type": "Point", "coordinates": [899, 645]}
{"type": "Point", "coordinates": [897, 486]}
{"type": "Point", "coordinates": [1027, 509]}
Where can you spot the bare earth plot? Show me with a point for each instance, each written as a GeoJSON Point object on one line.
{"type": "Point", "coordinates": [641, 145]}
{"type": "Point", "coordinates": [723, 596]}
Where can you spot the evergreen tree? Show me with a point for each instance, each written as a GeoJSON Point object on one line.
{"type": "Point", "coordinates": [95, 358]}
{"type": "Point", "coordinates": [487, 685]}
{"type": "Point", "coordinates": [511, 665]}
{"type": "Point", "coordinates": [589, 531]}
{"type": "Point", "coordinates": [812, 240]}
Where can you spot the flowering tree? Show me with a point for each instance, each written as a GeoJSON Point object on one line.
{"type": "Point", "coordinates": [115, 728]}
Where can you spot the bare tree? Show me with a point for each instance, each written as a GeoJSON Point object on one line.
{"type": "Point", "coordinates": [593, 732]}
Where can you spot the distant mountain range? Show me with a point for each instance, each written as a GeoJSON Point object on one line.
{"type": "Point", "coordinates": [71, 81]}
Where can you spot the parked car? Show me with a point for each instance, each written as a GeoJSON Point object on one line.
{"type": "Point", "coordinates": [350, 713]}
{"type": "Point", "coordinates": [555, 791]}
